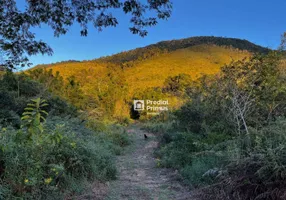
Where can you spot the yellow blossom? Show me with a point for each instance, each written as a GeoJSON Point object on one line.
{"type": "Point", "coordinates": [48, 180]}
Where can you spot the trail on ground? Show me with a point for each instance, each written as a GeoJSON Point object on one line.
{"type": "Point", "coordinates": [139, 177]}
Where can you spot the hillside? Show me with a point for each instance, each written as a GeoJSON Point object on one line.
{"type": "Point", "coordinates": [195, 61]}
{"type": "Point", "coordinates": [114, 80]}
{"type": "Point", "coordinates": [173, 45]}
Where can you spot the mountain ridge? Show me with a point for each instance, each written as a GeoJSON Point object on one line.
{"type": "Point", "coordinates": [172, 45]}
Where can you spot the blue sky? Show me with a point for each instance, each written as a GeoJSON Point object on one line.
{"type": "Point", "coordinates": [259, 21]}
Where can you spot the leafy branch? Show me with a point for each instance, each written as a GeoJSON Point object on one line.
{"type": "Point", "coordinates": [33, 116]}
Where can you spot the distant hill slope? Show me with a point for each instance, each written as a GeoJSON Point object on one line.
{"type": "Point", "coordinates": [173, 45]}
{"type": "Point", "coordinates": [152, 72]}
{"type": "Point", "coordinates": [126, 73]}
{"type": "Point", "coordinates": [195, 61]}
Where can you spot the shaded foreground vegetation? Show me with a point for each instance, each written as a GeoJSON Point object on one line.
{"type": "Point", "coordinates": [228, 140]}
{"type": "Point", "coordinates": [47, 149]}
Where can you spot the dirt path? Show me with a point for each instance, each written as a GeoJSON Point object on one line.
{"type": "Point", "coordinates": [139, 178]}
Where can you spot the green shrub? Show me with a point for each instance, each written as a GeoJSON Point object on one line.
{"type": "Point", "coordinates": [161, 124]}
{"type": "Point", "coordinates": [97, 125]}
{"type": "Point", "coordinates": [16, 90]}
{"type": "Point", "coordinates": [256, 170]}
{"type": "Point", "coordinates": [214, 138]}
{"type": "Point", "coordinates": [178, 152]}
{"type": "Point", "coordinates": [118, 135]}
{"type": "Point", "coordinates": [51, 160]}
{"type": "Point", "coordinates": [232, 132]}
{"type": "Point", "coordinates": [59, 107]}
{"type": "Point", "coordinates": [157, 127]}
{"type": "Point", "coordinates": [191, 117]}
{"type": "Point", "coordinates": [203, 170]}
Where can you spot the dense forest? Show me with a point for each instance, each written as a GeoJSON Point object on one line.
{"type": "Point", "coordinates": [63, 124]}
{"type": "Point", "coordinates": [105, 87]}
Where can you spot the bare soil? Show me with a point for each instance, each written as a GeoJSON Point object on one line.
{"type": "Point", "coordinates": [139, 176]}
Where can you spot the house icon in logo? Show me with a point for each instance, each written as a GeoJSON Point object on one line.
{"type": "Point", "coordinates": [138, 105]}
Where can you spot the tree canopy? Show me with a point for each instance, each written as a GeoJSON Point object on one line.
{"type": "Point", "coordinates": [17, 41]}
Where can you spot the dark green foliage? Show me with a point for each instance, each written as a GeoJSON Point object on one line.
{"type": "Point", "coordinates": [16, 90]}
{"type": "Point", "coordinates": [118, 135]}
{"type": "Point", "coordinates": [260, 174]}
{"type": "Point", "coordinates": [33, 117]}
{"type": "Point", "coordinates": [9, 81]}
{"type": "Point", "coordinates": [220, 41]}
{"type": "Point", "coordinates": [191, 117]}
{"type": "Point", "coordinates": [114, 135]}
{"type": "Point", "coordinates": [57, 162]}
{"type": "Point", "coordinates": [8, 117]}
{"type": "Point", "coordinates": [130, 58]}
{"type": "Point", "coordinates": [203, 170]}
{"type": "Point", "coordinates": [6, 100]}
{"type": "Point", "coordinates": [59, 107]}
{"type": "Point", "coordinates": [179, 151]}
{"type": "Point", "coordinates": [233, 135]}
